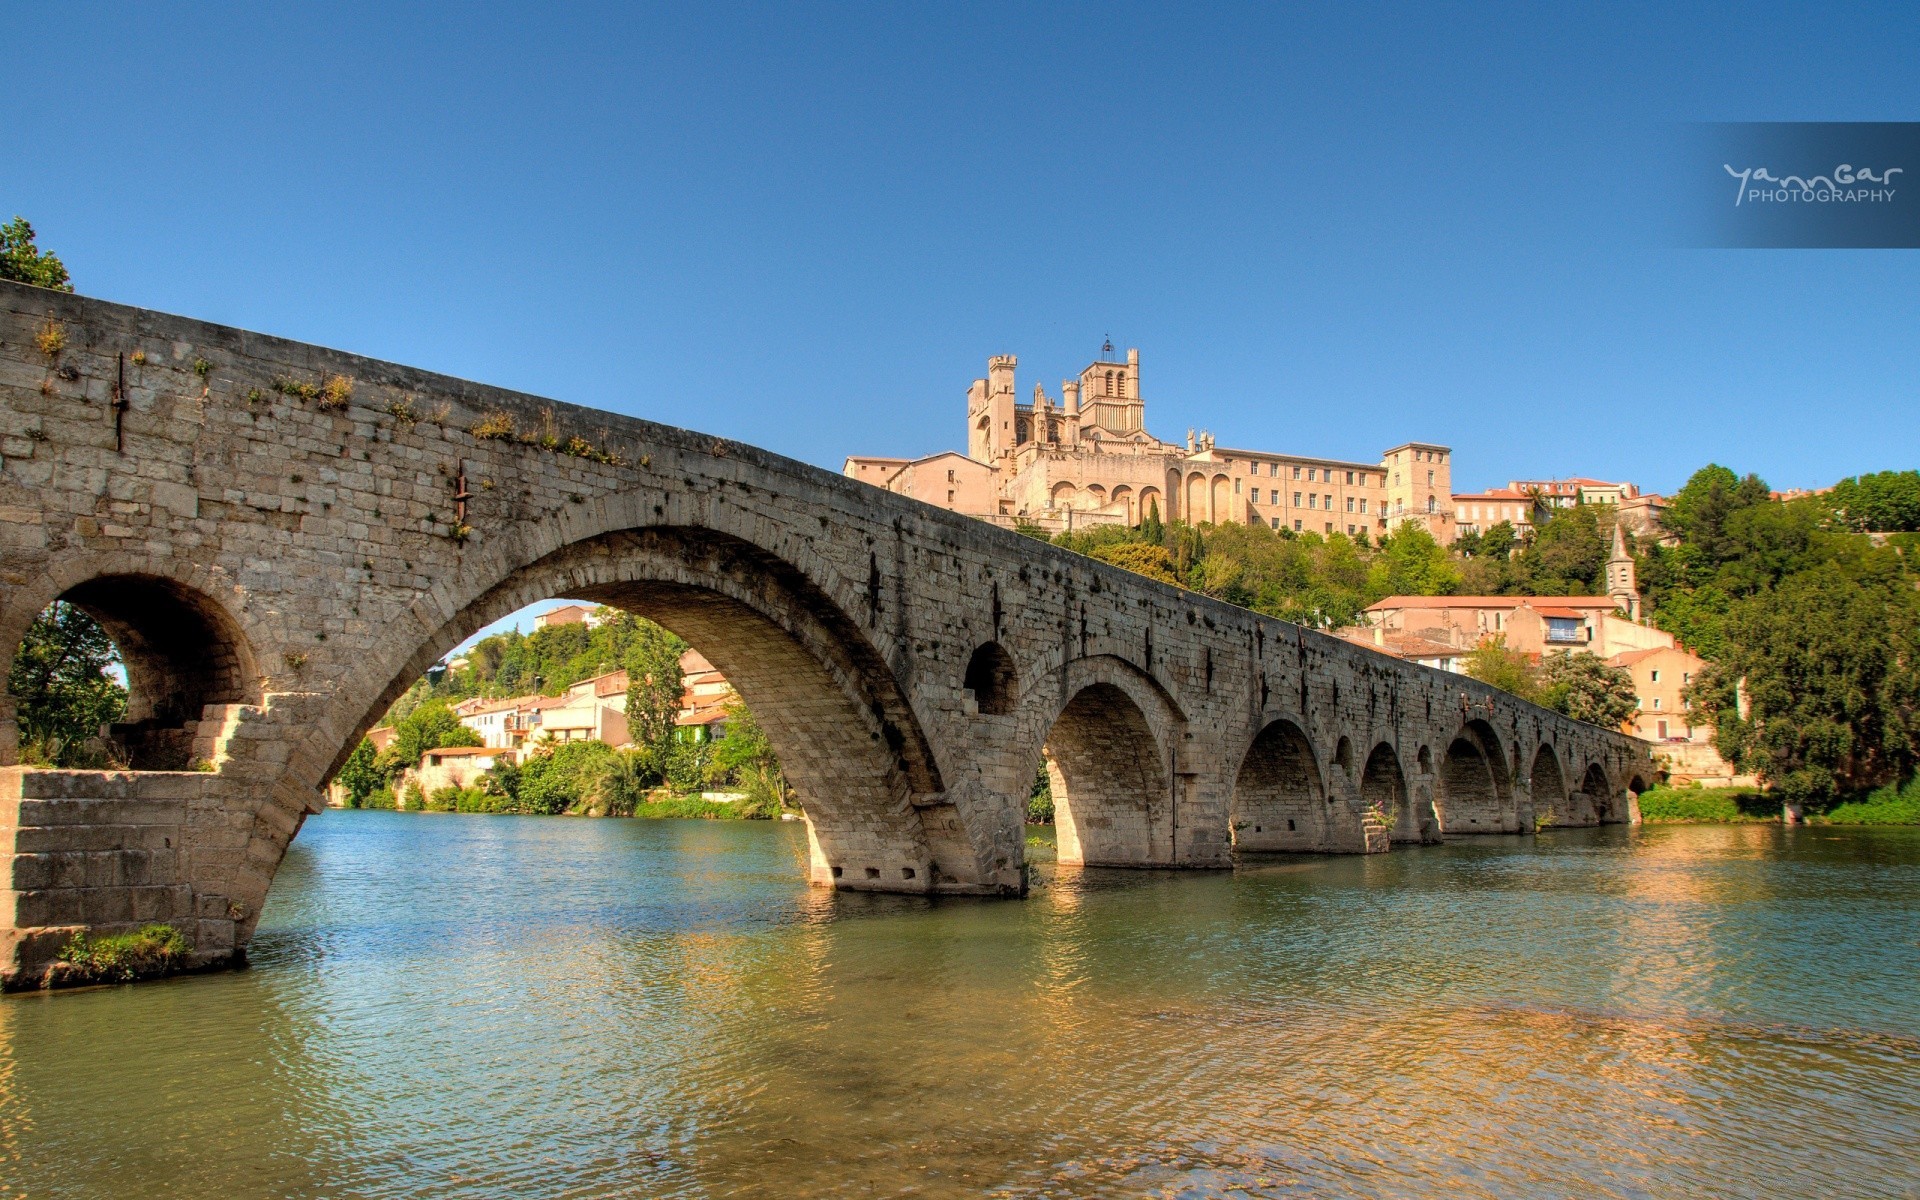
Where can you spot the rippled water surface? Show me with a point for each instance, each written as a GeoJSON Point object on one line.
{"type": "Point", "coordinates": [493, 1006]}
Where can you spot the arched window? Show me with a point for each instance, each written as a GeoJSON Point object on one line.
{"type": "Point", "coordinates": [1109, 383]}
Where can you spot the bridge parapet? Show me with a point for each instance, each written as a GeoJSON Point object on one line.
{"type": "Point", "coordinates": [282, 537]}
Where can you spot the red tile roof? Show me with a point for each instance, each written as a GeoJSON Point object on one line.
{"type": "Point", "coordinates": [1586, 602]}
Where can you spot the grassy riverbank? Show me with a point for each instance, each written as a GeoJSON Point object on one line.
{"type": "Point", "coordinates": [1732, 806]}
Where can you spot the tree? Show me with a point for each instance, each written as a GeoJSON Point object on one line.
{"type": "Point", "coordinates": [1151, 528]}
{"type": "Point", "coordinates": [1412, 563]}
{"type": "Point", "coordinates": [1828, 663]}
{"type": "Point", "coordinates": [745, 759]}
{"type": "Point", "coordinates": [431, 726]}
{"type": "Point", "coordinates": [1493, 663]}
{"type": "Point", "coordinates": [1567, 555]}
{"type": "Point", "coordinates": [1699, 511]}
{"type": "Point", "coordinates": [23, 262]}
{"type": "Point", "coordinates": [551, 782]}
{"type": "Point", "coordinates": [1499, 539]}
{"type": "Point", "coordinates": [1886, 502]}
{"type": "Point", "coordinates": [359, 778]}
{"type": "Point", "coordinates": [1583, 687]}
{"type": "Point", "coordinates": [60, 679]}
{"type": "Point", "coordinates": [618, 784]}
{"type": "Point", "coordinates": [1141, 558]}
{"type": "Point", "coordinates": [653, 689]}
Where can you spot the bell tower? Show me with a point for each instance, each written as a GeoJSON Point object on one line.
{"type": "Point", "coordinates": [1622, 579]}
{"type": "Point", "coordinates": [1110, 393]}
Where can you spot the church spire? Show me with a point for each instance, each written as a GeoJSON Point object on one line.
{"type": "Point", "coordinates": [1622, 578]}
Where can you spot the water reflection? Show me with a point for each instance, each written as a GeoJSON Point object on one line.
{"type": "Point", "coordinates": [479, 1006]}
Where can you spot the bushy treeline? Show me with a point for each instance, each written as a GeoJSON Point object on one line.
{"type": "Point", "coordinates": [1810, 627]}
{"type": "Point", "coordinates": [550, 659]}
{"type": "Point", "coordinates": [586, 778]}
{"type": "Point", "coordinates": [1321, 581]}
{"type": "Point", "coordinates": [581, 778]}
{"type": "Point", "coordinates": [1327, 581]}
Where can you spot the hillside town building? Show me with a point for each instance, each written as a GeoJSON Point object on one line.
{"type": "Point", "coordinates": [1087, 458]}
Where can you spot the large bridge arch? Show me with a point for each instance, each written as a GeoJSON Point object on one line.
{"type": "Point", "coordinates": [1106, 731]}
{"type": "Point", "coordinates": [1280, 798]}
{"type": "Point", "coordinates": [1547, 784]}
{"type": "Point", "coordinates": [1476, 790]}
{"type": "Point", "coordinates": [850, 742]}
{"type": "Point", "coordinates": [1408, 815]}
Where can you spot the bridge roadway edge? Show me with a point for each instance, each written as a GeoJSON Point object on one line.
{"type": "Point", "coordinates": [310, 540]}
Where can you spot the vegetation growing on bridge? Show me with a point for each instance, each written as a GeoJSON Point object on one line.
{"type": "Point", "coordinates": [145, 953]}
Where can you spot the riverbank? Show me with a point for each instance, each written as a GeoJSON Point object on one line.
{"type": "Point", "coordinates": [1738, 806]}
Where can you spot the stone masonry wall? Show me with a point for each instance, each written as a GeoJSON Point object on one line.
{"type": "Point", "coordinates": [333, 524]}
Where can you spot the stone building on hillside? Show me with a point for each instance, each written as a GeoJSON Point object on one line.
{"type": "Point", "coordinates": [1087, 459]}
{"type": "Point", "coordinates": [706, 699]}
{"type": "Point", "coordinates": [569, 614]}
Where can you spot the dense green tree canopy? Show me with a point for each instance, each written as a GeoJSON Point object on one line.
{"type": "Point", "coordinates": [24, 262]}
{"type": "Point", "coordinates": [1887, 502]}
{"type": "Point", "coordinates": [62, 678]}
{"type": "Point", "coordinates": [1828, 664]}
{"type": "Point", "coordinates": [429, 726]}
{"type": "Point", "coordinates": [1587, 689]}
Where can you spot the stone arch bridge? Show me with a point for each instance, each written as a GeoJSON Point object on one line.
{"type": "Point", "coordinates": [280, 538]}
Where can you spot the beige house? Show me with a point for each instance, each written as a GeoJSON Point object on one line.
{"type": "Point", "coordinates": [1529, 624]}
{"type": "Point", "coordinates": [592, 710]}
{"type": "Point", "coordinates": [569, 614]}
{"type": "Point", "coordinates": [1660, 678]}
{"type": "Point", "coordinates": [1686, 750]}
{"type": "Point", "coordinates": [1565, 493]}
{"type": "Point", "coordinates": [1088, 459]}
{"type": "Point", "coordinates": [510, 723]}
{"type": "Point", "coordinates": [452, 766]}
{"type": "Point", "coordinates": [705, 699]}
{"type": "Point", "coordinates": [1477, 512]}
{"type": "Point", "coordinates": [1441, 656]}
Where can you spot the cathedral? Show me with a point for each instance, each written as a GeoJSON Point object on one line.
{"type": "Point", "coordinates": [1087, 459]}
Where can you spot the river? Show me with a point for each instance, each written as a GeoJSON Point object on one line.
{"type": "Point", "coordinates": [468, 1006]}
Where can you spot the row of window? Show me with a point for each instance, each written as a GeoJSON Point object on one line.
{"type": "Point", "coordinates": [1297, 526]}
{"type": "Point", "coordinates": [1314, 500]}
{"type": "Point", "coordinates": [1315, 474]}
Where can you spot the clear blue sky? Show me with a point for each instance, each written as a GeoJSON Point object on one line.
{"type": "Point", "coordinates": [1327, 229]}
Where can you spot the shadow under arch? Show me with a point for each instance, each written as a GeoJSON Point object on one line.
{"type": "Point", "coordinates": [1548, 785]}
{"type": "Point", "coordinates": [992, 679]}
{"type": "Point", "coordinates": [183, 652]}
{"type": "Point", "coordinates": [1111, 795]}
{"type": "Point", "coordinates": [832, 708]}
{"type": "Point", "coordinates": [1383, 786]}
{"type": "Point", "coordinates": [1598, 790]}
{"type": "Point", "coordinates": [1476, 793]}
{"type": "Point", "coordinates": [1279, 797]}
